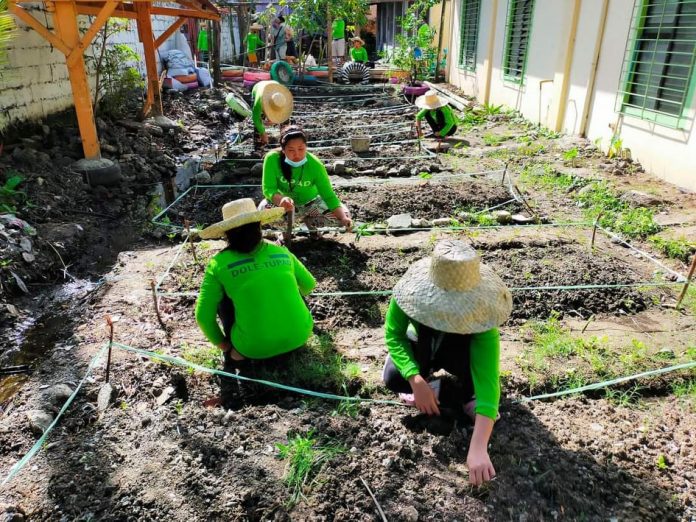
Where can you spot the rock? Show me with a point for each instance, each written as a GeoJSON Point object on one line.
{"type": "Point", "coordinates": [618, 172]}
{"type": "Point", "coordinates": [58, 394]}
{"type": "Point", "coordinates": [337, 150]}
{"type": "Point", "coordinates": [164, 123]}
{"type": "Point", "coordinates": [521, 219]}
{"type": "Point", "coordinates": [400, 221]}
{"type": "Point", "coordinates": [105, 147]}
{"type": "Point", "coordinates": [131, 125]}
{"type": "Point", "coordinates": [25, 244]}
{"type": "Point", "coordinates": [586, 189]}
{"type": "Point", "coordinates": [155, 130]}
{"type": "Point", "coordinates": [388, 462]}
{"type": "Point", "coordinates": [39, 421]}
{"type": "Point", "coordinates": [642, 199]}
{"type": "Point", "coordinates": [166, 394]}
{"type": "Point", "coordinates": [442, 222]}
{"type": "Point", "coordinates": [420, 223]}
{"type": "Point", "coordinates": [464, 216]}
{"type": "Point", "coordinates": [502, 216]}
{"type": "Point", "coordinates": [203, 177]}
{"type": "Point", "coordinates": [64, 233]}
{"type": "Point", "coordinates": [410, 514]}
{"type": "Point", "coordinates": [381, 171]}
{"type": "Point", "coordinates": [339, 168]}
{"type": "Point", "coordinates": [257, 169]}
{"type": "Point", "coordinates": [393, 172]}
{"type": "Point", "coordinates": [107, 393]}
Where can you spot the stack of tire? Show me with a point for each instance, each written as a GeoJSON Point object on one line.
{"type": "Point", "coordinates": [189, 80]}
{"type": "Point", "coordinates": [232, 74]}
{"type": "Point", "coordinates": [355, 73]}
{"type": "Point", "coordinates": [318, 72]}
{"type": "Point", "coordinates": [251, 78]}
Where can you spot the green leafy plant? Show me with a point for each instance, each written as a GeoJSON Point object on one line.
{"type": "Point", "coordinates": [661, 462]}
{"type": "Point", "coordinates": [492, 110]}
{"type": "Point", "coordinates": [425, 175]}
{"type": "Point", "coordinates": [570, 156]}
{"type": "Point", "coordinates": [493, 140]}
{"type": "Point", "coordinates": [10, 197]}
{"type": "Point", "coordinates": [206, 356]}
{"type": "Point", "coordinates": [615, 147]}
{"type": "Point", "coordinates": [674, 248]}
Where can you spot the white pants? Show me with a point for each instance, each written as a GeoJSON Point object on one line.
{"type": "Point", "coordinates": [338, 48]}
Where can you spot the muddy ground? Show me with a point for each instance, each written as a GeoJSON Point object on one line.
{"type": "Point", "coordinates": [158, 454]}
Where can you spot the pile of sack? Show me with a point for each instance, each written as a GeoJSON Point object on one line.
{"type": "Point", "coordinates": [182, 74]}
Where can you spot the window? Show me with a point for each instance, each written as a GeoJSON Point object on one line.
{"type": "Point", "coordinates": [518, 29]}
{"type": "Point", "coordinates": [469, 33]}
{"type": "Point", "coordinates": [658, 71]}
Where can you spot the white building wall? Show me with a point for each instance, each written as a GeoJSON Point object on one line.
{"type": "Point", "coordinates": [667, 153]}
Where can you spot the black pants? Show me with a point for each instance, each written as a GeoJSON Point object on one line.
{"type": "Point", "coordinates": [452, 355]}
{"type": "Point", "coordinates": [438, 123]}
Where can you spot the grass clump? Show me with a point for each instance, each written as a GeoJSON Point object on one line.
{"type": "Point", "coordinates": [544, 176]}
{"type": "Point", "coordinates": [675, 248]}
{"type": "Point", "coordinates": [493, 140]}
{"type": "Point", "coordinates": [305, 461]}
{"type": "Point", "coordinates": [206, 356]}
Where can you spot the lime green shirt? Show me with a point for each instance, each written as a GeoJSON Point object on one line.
{"type": "Point", "coordinates": [307, 182]}
{"type": "Point", "coordinates": [484, 358]}
{"type": "Point", "coordinates": [338, 29]}
{"type": "Point", "coordinates": [203, 40]}
{"type": "Point", "coordinates": [257, 111]}
{"type": "Point", "coordinates": [359, 55]}
{"type": "Point", "coordinates": [253, 42]}
{"type": "Point", "coordinates": [447, 113]}
{"type": "Point", "coordinates": [266, 288]}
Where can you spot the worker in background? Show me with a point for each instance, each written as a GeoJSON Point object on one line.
{"type": "Point", "coordinates": [437, 113]}
{"type": "Point", "coordinates": [272, 100]}
{"type": "Point", "coordinates": [203, 44]}
{"type": "Point", "coordinates": [338, 42]}
{"type": "Point", "coordinates": [279, 41]}
{"type": "Point", "coordinates": [290, 50]}
{"type": "Point", "coordinates": [444, 314]}
{"type": "Point", "coordinates": [255, 287]}
{"type": "Point", "coordinates": [358, 53]}
{"type": "Point", "coordinates": [253, 41]}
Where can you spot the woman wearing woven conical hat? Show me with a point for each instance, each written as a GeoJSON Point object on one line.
{"type": "Point", "coordinates": [256, 289]}
{"type": "Point", "coordinates": [437, 113]}
{"type": "Point", "coordinates": [444, 314]}
{"type": "Point", "coordinates": [273, 100]}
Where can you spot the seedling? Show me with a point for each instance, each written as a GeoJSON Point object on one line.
{"type": "Point", "coordinates": [661, 462]}
{"type": "Point", "coordinates": [570, 156]}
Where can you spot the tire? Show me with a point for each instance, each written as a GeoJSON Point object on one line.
{"type": "Point", "coordinates": [107, 175]}
{"type": "Point", "coordinates": [256, 76]}
{"type": "Point", "coordinates": [282, 73]}
{"type": "Point", "coordinates": [355, 73]}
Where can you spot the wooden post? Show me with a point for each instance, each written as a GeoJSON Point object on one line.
{"type": "Point", "coordinates": [215, 55]}
{"type": "Point", "coordinates": [439, 38]}
{"type": "Point", "coordinates": [682, 295]}
{"type": "Point", "coordinates": [67, 31]}
{"type": "Point", "coordinates": [329, 43]}
{"type": "Point", "coordinates": [154, 97]}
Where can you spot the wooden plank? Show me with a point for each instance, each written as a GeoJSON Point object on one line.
{"type": "Point", "coordinates": [102, 18]}
{"type": "Point", "coordinates": [190, 13]}
{"type": "Point", "coordinates": [125, 11]}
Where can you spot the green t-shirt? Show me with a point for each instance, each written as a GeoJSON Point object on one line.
{"type": "Point", "coordinates": [266, 288]}
{"type": "Point", "coordinates": [203, 40]}
{"type": "Point", "coordinates": [359, 55]}
{"type": "Point", "coordinates": [338, 29]}
{"type": "Point", "coordinates": [257, 111]}
{"type": "Point", "coordinates": [307, 182]}
{"type": "Point", "coordinates": [253, 41]}
{"type": "Point", "coordinates": [484, 358]}
{"type": "Point", "coordinates": [424, 36]}
{"type": "Point", "coordinates": [449, 119]}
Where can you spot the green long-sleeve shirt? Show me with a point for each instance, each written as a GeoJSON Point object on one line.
{"type": "Point", "coordinates": [257, 111]}
{"type": "Point", "coordinates": [450, 120]}
{"type": "Point", "coordinates": [307, 182]}
{"type": "Point", "coordinates": [338, 29]}
{"type": "Point", "coordinates": [266, 288]}
{"type": "Point", "coordinates": [484, 358]}
{"type": "Point", "coordinates": [359, 54]}
{"type": "Point", "coordinates": [253, 42]}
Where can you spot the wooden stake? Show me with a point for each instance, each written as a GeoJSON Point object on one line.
{"type": "Point", "coordinates": [682, 295]}
{"type": "Point", "coordinates": [157, 311]}
{"type": "Point", "coordinates": [374, 499]}
{"type": "Point", "coordinates": [187, 224]}
{"type": "Point", "coordinates": [524, 201]}
{"type": "Point", "coordinates": [502, 180]}
{"type": "Point", "coordinates": [110, 324]}
{"type": "Point", "coordinates": [290, 222]}
{"type": "Point", "coordinates": [594, 229]}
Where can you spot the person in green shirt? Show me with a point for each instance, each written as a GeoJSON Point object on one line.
{"type": "Point", "coordinates": [256, 288]}
{"type": "Point", "coordinates": [253, 41]}
{"type": "Point", "coordinates": [297, 181]}
{"type": "Point", "coordinates": [437, 113]}
{"type": "Point", "coordinates": [273, 100]}
{"type": "Point", "coordinates": [358, 53]}
{"type": "Point", "coordinates": [203, 44]}
{"type": "Point", "coordinates": [444, 314]}
{"type": "Point", "coordinates": [338, 42]}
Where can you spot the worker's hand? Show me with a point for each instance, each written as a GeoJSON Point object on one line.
{"type": "Point", "coordinates": [264, 138]}
{"type": "Point", "coordinates": [480, 466]}
{"type": "Point", "coordinates": [423, 394]}
{"type": "Point", "coordinates": [347, 222]}
{"type": "Point", "coordinates": [287, 203]}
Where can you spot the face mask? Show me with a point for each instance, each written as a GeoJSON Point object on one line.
{"type": "Point", "coordinates": [296, 163]}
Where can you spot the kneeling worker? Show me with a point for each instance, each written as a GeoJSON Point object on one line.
{"type": "Point", "coordinates": [437, 113]}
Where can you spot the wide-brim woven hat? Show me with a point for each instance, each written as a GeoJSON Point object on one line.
{"type": "Point", "coordinates": [453, 292]}
{"type": "Point", "coordinates": [256, 27]}
{"type": "Point", "coordinates": [430, 100]}
{"type": "Point", "coordinates": [357, 39]}
{"type": "Point", "coordinates": [240, 212]}
{"type": "Point", "coordinates": [276, 100]}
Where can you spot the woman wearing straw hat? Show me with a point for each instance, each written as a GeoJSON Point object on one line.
{"type": "Point", "coordinates": [297, 181]}
{"type": "Point", "coordinates": [256, 288]}
{"type": "Point", "coordinates": [253, 42]}
{"type": "Point", "coordinates": [437, 113]}
{"type": "Point", "coordinates": [358, 53]}
{"type": "Point", "coordinates": [273, 100]}
{"type": "Point", "coordinates": [444, 314]}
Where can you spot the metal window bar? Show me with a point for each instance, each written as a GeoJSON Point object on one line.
{"type": "Point", "coordinates": [517, 35]}
{"type": "Point", "coordinates": [657, 76]}
{"type": "Point", "coordinates": [470, 16]}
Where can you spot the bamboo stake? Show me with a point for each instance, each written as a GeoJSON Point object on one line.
{"type": "Point", "coordinates": [157, 311]}
{"type": "Point", "coordinates": [594, 229]}
{"type": "Point", "coordinates": [502, 180]}
{"type": "Point", "coordinates": [187, 225]}
{"type": "Point", "coordinates": [374, 499]}
{"type": "Point", "coordinates": [110, 324]}
{"type": "Point", "coordinates": [524, 201]}
{"type": "Point", "coordinates": [688, 281]}
{"type": "Point", "coordinates": [290, 222]}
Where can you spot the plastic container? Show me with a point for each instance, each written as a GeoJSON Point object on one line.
{"type": "Point", "coordinates": [360, 143]}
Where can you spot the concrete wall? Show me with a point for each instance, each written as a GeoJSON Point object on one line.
{"type": "Point", "coordinates": [667, 153]}
{"type": "Point", "coordinates": [35, 81]}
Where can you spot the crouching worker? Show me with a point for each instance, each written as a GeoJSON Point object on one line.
{"type": "Point", "coordinates": [256, 289]}
{"type": "Point", "coordinates": [437, 113]}
{"type": "Point", "coordinates": [297, 181]}
{"type": "Point", "coordinates": [444, 314]}
{"type": "Point", "coordinates": [273, 100]}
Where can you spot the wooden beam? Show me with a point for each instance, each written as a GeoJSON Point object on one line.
{"type": "Point", "coordinates": [170, 31]}
{"type": "Point", "coordinates": [65, 19]}
{"type": "Point", "coordinates": [102, 18]}
{"type": "Point", "coordinates": [188, 13]}
{"type": "Point", "coordinates": [154, 97]}
{"type": "Point", "coordinates": [37, 26]}
{"type": "Point", "coordinates": [125, 11]}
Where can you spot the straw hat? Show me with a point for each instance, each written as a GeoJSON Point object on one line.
{"type": "Point", "coordinates": [276, 100]}
{"type": "Point", "coordinates": [256, 27]}
{"type": "Point", "coordinates": [430, 100]}
{"type": "Point", "coordinates": [451, 291]}
{"type": "Point", "coordinates": [240, 212]}
{"type": "Point", "coordinates": [357, 39]}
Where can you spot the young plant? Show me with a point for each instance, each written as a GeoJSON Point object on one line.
{"type": "Point", "coordinates": [678, 248]}
{"type": "Point", "coordinates": [10, 197]}
{"type": "Point", "coordinates": [570, 156]}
